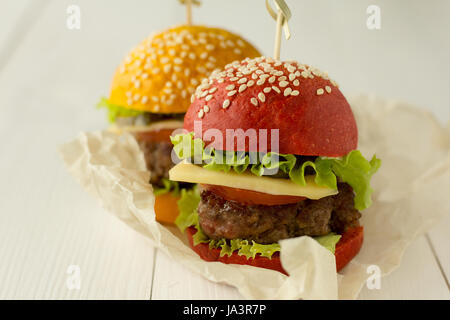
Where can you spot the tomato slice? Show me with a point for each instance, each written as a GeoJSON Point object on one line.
{"type": "Point", "coordinates": [161, 135]}
{"type": "Point", "coordinates": [251, 197]}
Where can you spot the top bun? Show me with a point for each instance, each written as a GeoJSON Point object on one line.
{"type": "Point", "coordinates": [312, 115]}
{"type": "Point", "coordinates": [161, 73]}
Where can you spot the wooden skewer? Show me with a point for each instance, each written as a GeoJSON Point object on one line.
{"type": "Point", "coordinates": [277, 47]}
{"type": "Point", "coordinates": [189, 12]}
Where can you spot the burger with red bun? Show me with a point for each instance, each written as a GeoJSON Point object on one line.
{"type": "Point", "coordinates": [272, 146]}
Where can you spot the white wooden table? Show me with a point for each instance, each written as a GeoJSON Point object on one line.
{"type": "Point", "coordinates": [51, 78]}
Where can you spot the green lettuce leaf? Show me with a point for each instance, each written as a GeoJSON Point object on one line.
{"type": "Point", "coordinates": [329, 241]}
{"type": "Point", "coordinates": [115, 111]}
{"type": "Point", "coordinates": [187, 206]}
{"type": "Point", "coordinates": [353, 168]}
{"type": "Point", "coordinates": [169, 186]}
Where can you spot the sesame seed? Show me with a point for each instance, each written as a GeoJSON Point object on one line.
{"type": "Point", "coordinates": [231, 93]}
{"type": "Point", "coordinates": [208, 97]}
{"type": "Point", "coordinates": [261, 97]}
{"type": "Point", "coordinates": [261, 81]}
{"type": "Point", "coordinates": [296, 82]}
{"type": "Point", "coordinates": [213, 90]}
{"type": "Point", "coordinates": [136, 97]}
{"type": "Point", "coordinates": [283, 78]}
{"type": "Point", "coordinates": [204, 94]}
{"type": "Point", "coordinates": [291, 77]}
{"type": "Point", "coordinates": [267, 89]}
{"type": "Point", "coordinates": [294, 93]}
{"type": "Point", "coordinates": [206, 108]}
{"type": "Point", "coordinates": [242, 80]}
{"type": "Point", "coordinates": [320, 91]}
{"type": "Point", "coordinates": [144, 76]}
{"type": "Point", "coordinates": [250, 83]}
{"type": "Point", "coordinates": [328, 89]}
{"type": "Point", "coordinates": [192, 98]}
{"type": "Point", "coordinates": [201, 114]}
{"type": "Point", "coordinates": [164, 60]}
{"type": "Point", "coordinates": [209, 47]}
{"type": "Point", "coordinates": [276, 89]}
{"type": "Point", "coordinates": [254, 101]}
{"type": "Point", "coordinates": [272, 79]}
{"type": "Point", "coordinates": [234, 79]}
{"type": "Point", "coordinates": [192, 55]}
{"type": "Point", "coordinates": [178, 60]}
{"type": "Point", "coordinates": [226, 104]}
{"type": "Point", "coordinates": [237, 51]}
{"type": "Point", "coordinates": [230, 87]}
{"type": "Point", "coordinates": [254, 76]}
{"type": "Point", "coordinates": [242, 87]}
{"type": "Point", "coordinates": [128, 94]}
{"type": "Point", "coordinates": [283, 84]}
{"type": "Point", "coordinates": [144, 99]}
{"type": "Point", "coordinates": [287, 91]}
{"type": "Point", "coordinates": [204, 55]}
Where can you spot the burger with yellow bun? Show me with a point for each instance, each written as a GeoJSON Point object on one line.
{"type": "Point", "coordinates": [153, 87]}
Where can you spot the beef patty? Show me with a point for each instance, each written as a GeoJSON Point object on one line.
{"type": "Point", "coordinates": [220, 218]}
{"type": "Point", "coordinates": [158, 159]}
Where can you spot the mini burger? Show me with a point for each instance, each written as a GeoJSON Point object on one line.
{"type": "Point", "coordinates": [152, 88]}
{"type": "Point", "coordinates": [273, 147]}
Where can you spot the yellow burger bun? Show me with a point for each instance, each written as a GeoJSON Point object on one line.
{"type": "Point", "coordinates": [161, 73]}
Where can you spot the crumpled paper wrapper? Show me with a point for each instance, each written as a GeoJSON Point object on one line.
{"type": "Point", "coordinates": [411, 194]}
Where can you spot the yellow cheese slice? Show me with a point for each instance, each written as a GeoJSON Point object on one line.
{"type": "Point", "coordinates": [164, 124]}
{"type": "Point", "coordinates": [187, 172]}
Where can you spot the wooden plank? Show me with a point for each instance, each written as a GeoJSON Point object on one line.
{"type": "Point", "coordinates": [47, 223]}
{"type": "Point", "coordinates": [174, 281]}
{"type": "Point", "coordinates": [439, 239]}
{"type": "Point", "coordinates": [17, 19]}
{"type": "Point", "coordinates": [418, 277]}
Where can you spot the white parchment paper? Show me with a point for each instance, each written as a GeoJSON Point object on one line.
{"type": "Point", "coordinates": [411, 194]}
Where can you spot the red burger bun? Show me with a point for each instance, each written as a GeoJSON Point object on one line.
{"type": "Point", "coordinates": [346, 249]}
{"type": "Point", "coordinates": [311, 113]}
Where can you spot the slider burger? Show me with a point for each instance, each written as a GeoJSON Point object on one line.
{"type": "Point", "coordinates": [151, 91]}
{"type": "Point", "coordinates": [273, 147]}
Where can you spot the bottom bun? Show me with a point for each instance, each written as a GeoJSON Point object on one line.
{"type": "Point", "coordinates": [166, 208]}
{"type": "Point", "coordinates": [347, 247]}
